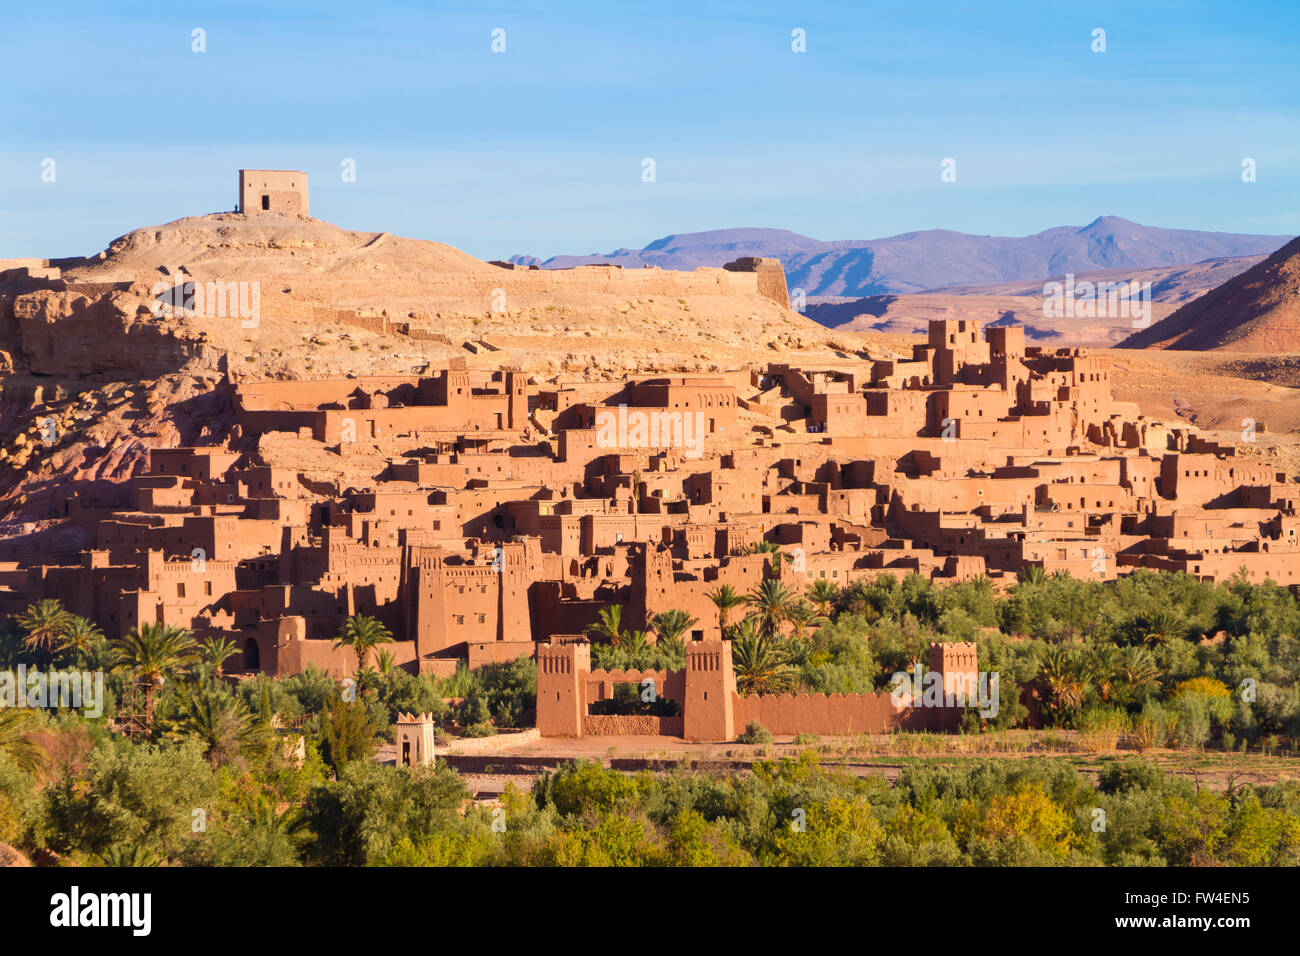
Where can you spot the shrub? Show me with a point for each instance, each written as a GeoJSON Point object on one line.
{"type": "Point", "coordinates": [755, 733]}
{"type": "Point", "coordinates": [1150, 727]}
{"type": "Point", "coordinates": [1100, 728]}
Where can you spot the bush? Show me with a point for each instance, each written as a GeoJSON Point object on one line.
{"type": "Point", "coordinates": [755, 733]}
{"type": "Point", "coordinates": [1100, 728]}
{"type": "Point", "coordinates": [1150, 727]}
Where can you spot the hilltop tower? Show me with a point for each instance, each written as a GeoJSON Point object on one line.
{"type": "Point", "coordinates": [272, 190]}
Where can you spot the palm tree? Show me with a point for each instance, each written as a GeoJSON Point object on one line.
{"type": "Point", "coordinates": [79, 637]}
{"type": "Point", "coordinates": [216, 651]}
{"type": "Point", "coordinates": [772, 550]}
{"type": "Point", "coordinates": [669, 626]}
{"type": "Point", "coordinates": [133, 856]}
{"type": "Point", "coordinates": [1137, 674]}
{"type": "Point", "coordinates": [14, 742]}
{"type": "Point", "coordinates": [1100, 667]}
{"type": "Point", "coordinates": [759, 660]}
{"type": "Point", "coordinates": [725, 599]}
{"type": "Point", "coordinates": [44, 623]}
{"type": "Point", "coordinates": [822, 593]}
{"type": "Point", "coordinates": [384, 662]}
{"type": "Point", "coordinates": [772, 601]}
{"type": "Point", "coordinates": [363, 634]}
{"type": "Point", "coordinates": [149, 652]}
{"type": "Point", "coordinates": [1032, 574]}
{"type": "Point", "coordinates": [1159, 627]}
{"type": "Point", "coordinates": [633, 642]}
{"type": "Point", "coordinates": [1066, 684]}
{"type": "Point", "coordinates": [221, 721]}
{"type": "Point", "coordinates": [802, 616]}
{"type": "Point", "coordinates": [609, 623]}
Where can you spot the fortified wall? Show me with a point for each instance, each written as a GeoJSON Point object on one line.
{"type": "Point", "coordinates": [713, 710]}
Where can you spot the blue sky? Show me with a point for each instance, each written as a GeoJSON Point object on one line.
{"type": "Point", "coordinates": [539, 149]}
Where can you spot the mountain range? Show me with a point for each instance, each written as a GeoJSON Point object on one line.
{"type": "Point", "coordinates": [934, 259]}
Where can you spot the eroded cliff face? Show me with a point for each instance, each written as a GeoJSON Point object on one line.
{"type": "Point", "coordinates": [80, 335]}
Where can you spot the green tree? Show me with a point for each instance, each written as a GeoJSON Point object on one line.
{"type": "Point", "coordinates": [15, 726]}
{"type": "Point", "coordinates": [725, 599]}
{"type": "Point", "coordinates": [822, 593]}
{"type": "Point", "coordinates": [771, 602]}
{"type": "Point", "coordinates": [79, 637]}
{"type": "Point", "coordinates": [363, 634]}
{"type": "Point", "coordinates": [609, 624]}
{"type": "Point", "coordinates": [761, 662]}
{"type": "Point", "coordinates": [149, 652]}
{"type": "Point", "coordinates": [221, 722]}
{"type": "Point", "coordinates": [215, 652]}
{"type": "Point", "coordinates": [43, 624]}
{"type": "Point", "coordinates": [346, 734]}
{"type": "Point", "coordinates": [670, 627]}
{"type": "Point", "coordinates": [802, 616]}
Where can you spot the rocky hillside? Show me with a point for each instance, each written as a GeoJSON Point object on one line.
{"type": "Point", "coordinates": [1256, 311]}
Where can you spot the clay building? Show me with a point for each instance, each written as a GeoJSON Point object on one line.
{"type": "Point", "coordinates": [272, 191]}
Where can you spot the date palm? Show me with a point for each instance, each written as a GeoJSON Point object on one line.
{"type": "Point", "coordinates": [14, 742]}
{"type": "Point", "coordinates": [1032, 574]}
{"type": "Point", "coordinates": [43, 624]}
{"type": "Point", "coordinates": [1065, 681]}
{"type": "Point", "coordinates": [771, 602]}
{"type": "Point", "coordinates": [725, 599]}
{"type": "Point", "coordinates": [803, 616]}
{"type": "Point", "coordinates": [1100, 667]}
{"type": "Point", "coordinates": [363, 634]}
{"type": "Point", "coordinates": [759, 660]}
{"type": "Point", "coordinates": [134, 856]}
{"type": "Point", "coordinates": [822, 593]}
{"type": "Point", "coordinates": [149, 652]}
{"type": "Point", "coordinates": [609, 623]}
{"type": "Point", "coordinates": [669, 626]}
{"type": "Point", "coordinates": [1137, 675]}
{"type": "Point", "coordinates": [633, 642]}
{"type": "Point", "coordinates": [772, 550]}
{"type": "Point", "coordinates": [1159, 627]}
{"type": "Point", "coordinates": [216, 651]}
{"type": "Point", "coordinates": [79, 638]}
{"type": "Point", "coordinates": [219, 720]}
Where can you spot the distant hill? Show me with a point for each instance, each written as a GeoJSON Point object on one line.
{"type": "Point", "coordinates": [1256, 311]}
{"type": "Point", "coordinates": [937, 258]}
{"type": "Point", "coordinates": [1170, 285]}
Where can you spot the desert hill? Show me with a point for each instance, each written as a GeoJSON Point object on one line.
{"type": "Point", "coordinates": [1256, 311]}
{"type": "Point", "coordinates": [236, 246]}
{"type": "Point", "coordinates": [936, 259]}
{"type": "Point", "coordinates": [425, 300]}
{"type": "Point", "coordinates": [97, 366]}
